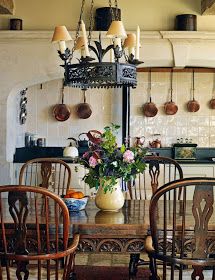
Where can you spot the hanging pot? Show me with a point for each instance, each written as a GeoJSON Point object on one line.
{"type": "Point", "coordinates": [193, 105]}
{"type": "Point", "coordinates": [212, 101]}
{"type": "Point", "coordinates": [170, 107]}
{"type": "Point", "coordinates": [61, 111]}
{"type": "Point", "coordinates": [149, 108]}
{"type": "Point", "coordinates": [84, 110]}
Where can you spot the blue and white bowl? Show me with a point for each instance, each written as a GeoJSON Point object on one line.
{"type": "Point", "coordinates": [76, 204]}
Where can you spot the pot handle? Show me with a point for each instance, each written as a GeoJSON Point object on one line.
{"type": "Point", "coordinates": [83, 133]}
{"type": "Point", "coordinates": [91, 135]}
{"type": "Point", "coordinates": [72, 138]}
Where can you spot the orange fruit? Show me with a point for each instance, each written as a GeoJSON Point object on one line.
{"type": "Point", "coordinates": [77, 195]}
{"type": "Point", "coordinates": [70, 191]}
{"type": "Point", "coordinates": [67, 196]}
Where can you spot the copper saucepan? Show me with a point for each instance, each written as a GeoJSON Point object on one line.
{"type": "Point", "coordinates": [212, 101]}
{"type": "Point", "coordinates": [193, 105]}
{"type": "Point", "coordinates": [61, 111]}
{"type": "Point", "coordinates": [84, 110]}
{"type": "Point", "coordinates": [170, 107]}
{"type": "Point", "coordinates": [149, 108]}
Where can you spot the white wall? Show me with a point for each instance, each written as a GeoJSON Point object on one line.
{"type": "Point", "coordinates": [200, 126]}
{"type": "Point", "coordinates": [150, 15]}
{"type": "Point", "coordinates": [40, 119]}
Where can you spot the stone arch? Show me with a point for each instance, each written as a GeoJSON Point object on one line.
{"type": "Point", "coordinates": [11, 112]}
{"type": "Point", "coordinates": [7, 7]}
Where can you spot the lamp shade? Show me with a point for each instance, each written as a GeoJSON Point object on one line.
{"type": "Point", "coordinates": [116, 29]}
{"type": "Point", "coordinates": [61, 34]}
{"type": "Point", "coordinates": [80, 43]}
{"type": "Point", "coordinates": [130, 41]}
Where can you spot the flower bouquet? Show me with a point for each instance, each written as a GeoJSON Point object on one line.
{"type": "Point", "coordinates": [107, 163]}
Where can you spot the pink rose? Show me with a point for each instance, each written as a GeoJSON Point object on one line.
{"type": "Point", "coordinates": [128, 156]}
{"type": "Point", "coordinates": [93, 162]}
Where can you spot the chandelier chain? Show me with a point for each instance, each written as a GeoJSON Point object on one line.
{"type": "Point", "coordinates": [116, 11]}
{"type": "Point", "coordinates": [111, 10]}
{"type": "Point", "coordinates": [77, 29]}
{"type": "Point", "coordinates": [91, 22]}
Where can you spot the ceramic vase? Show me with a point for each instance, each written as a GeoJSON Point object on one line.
{"type": "Point", "coordinates": [111, 200]}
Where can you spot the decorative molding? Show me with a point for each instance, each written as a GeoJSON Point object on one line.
{"type": "Point", "coordinates": [7, 7]}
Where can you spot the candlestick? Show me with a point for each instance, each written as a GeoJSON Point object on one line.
{"type": "Point", "coordinates": [138, 43]}
{"type": "Point", "coordinates": [131, 50]}
{"type": "Point", "coordinates": [62, 46]}
{"type": "Point", "coordinates": [85, 38]}
{"type": "Point", "coordinates": [117, 42]}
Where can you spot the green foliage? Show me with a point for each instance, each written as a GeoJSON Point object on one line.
{"type": "Point", "coordinates": [106, 162]}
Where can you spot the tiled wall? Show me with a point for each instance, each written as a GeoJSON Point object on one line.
{"type": "Point", "coordinates": [199, 126]}
{"type": "Point", "coordinates": [40, 119]}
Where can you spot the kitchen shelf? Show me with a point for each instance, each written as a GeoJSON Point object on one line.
{"type": "Point", "coordinates": [178, 70]}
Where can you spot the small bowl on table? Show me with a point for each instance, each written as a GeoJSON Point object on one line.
{"type": "Point", "coordinates": [76, 204]}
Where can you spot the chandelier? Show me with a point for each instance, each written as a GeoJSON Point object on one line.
{"type": "Point", "coordinates": [93, 72]}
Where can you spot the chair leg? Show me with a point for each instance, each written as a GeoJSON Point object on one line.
{"type": "Point", "coordinates": [153, 269]}
{"type": "Point", "coordinates": [72, 276]}
{"type": "Point", "coordinates": [134, 259]}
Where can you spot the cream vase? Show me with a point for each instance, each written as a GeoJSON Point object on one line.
{"type": "Point", "coordinates": [110, 201]}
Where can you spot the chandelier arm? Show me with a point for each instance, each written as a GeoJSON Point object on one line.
{"type": "Point", "coordinates": [95, 51]}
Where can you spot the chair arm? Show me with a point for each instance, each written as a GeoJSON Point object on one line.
{"type": "Point", "coordinates": [148, 244]}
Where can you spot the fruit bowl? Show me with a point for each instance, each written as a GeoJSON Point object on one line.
{"type": "Point", "coordinates": [76, 204]}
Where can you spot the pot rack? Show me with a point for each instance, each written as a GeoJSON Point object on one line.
{"type": "Point", "coordinates": [126, 94]}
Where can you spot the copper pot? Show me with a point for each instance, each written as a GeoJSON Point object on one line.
{"type": "Point", "coordinates": [149, 108]}
{"type": "Point", "coordinates": [170, 107]}
{"type": "Point", "coordinates": [84, 110]}
{"type": "Point", "coordinates": [212, 103]}
{"type": "Point", "coordinates": [193, 105]}
{"type": "Point", "coordinates": [61, 111]}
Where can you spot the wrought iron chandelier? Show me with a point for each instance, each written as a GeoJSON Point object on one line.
{"type": "Point", "coordinates": [88, 73]}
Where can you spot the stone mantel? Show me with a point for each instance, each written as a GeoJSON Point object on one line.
{"type": "Point", "coordinates": [43, 34]}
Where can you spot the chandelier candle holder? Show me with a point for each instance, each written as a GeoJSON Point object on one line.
{"type": "Point", "coordinates": [89, 73]}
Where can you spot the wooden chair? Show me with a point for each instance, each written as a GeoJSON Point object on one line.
{"type": "Point", "coordinates": [183, 247]}
{"type": "Point", "coordinates": [34, 246]}
{"type": "Point", "coordinates": [49, 173]}
{"type": "Point", "coordinates": [159, 171]}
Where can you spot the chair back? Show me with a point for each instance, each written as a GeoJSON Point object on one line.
{"type": "Point", "coordinates": [183, 232]}
{"type": "Point", "coordinates": [159, 171]}
{"type": "Point", "coordinates": [33, 238]}
{"type": "Point", "coordinates": [49, 173]}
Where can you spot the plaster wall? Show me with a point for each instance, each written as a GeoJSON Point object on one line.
{"type": "Point", "coordinates": [150, 15]}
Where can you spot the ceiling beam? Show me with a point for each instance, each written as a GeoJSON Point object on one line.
{"type": "Point", "coordinates": [208, 7]}
{"type": "Point", "coordinates": [7, 7]}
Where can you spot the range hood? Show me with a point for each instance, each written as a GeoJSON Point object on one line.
{"type": "Point", "coordinates": [178, 49]}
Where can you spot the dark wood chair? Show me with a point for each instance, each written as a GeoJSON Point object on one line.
{"type": "Point", "coordinates": [183, 246]}
{"type": "Point", "coordinates": [49, 173]}
{"type": "Point", "coordinates": [34, 246]}
{"type": "Point", "coordinates": [160, 170]}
